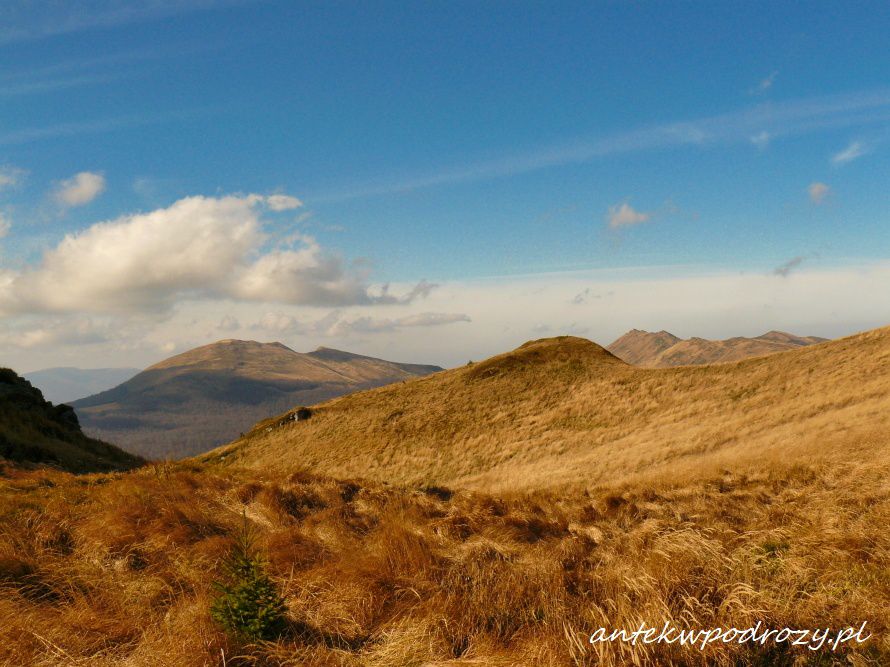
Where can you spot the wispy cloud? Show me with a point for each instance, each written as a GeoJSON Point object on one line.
{"type": "Point", "coordinates": [51, 85]}
{"type": "Point", "coordinates": [765, 84]}
{"type": "Point", "coordinates": [10, 176]}
{"type": "Point", "coordinates": [26, 21]}
{"type": "Point", "coordinates": [785, 269]}
{"type": "Point", "coordinates": [68, 73]}
{"type": "Point", "coordinates": [852, 152]}
{"type": "Point", "coordinates": [818, 192]}
{"type": "Point", "coordinates": [31, 134]}
{"type": "Point", "coordinates": [779, 120]}
{"type": "Point", "coordinates": [761, 139]}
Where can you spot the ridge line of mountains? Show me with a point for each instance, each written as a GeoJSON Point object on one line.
{"type": "Point", "coordinates": [189, 403]}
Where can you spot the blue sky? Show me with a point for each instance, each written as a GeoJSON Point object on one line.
{"type": "Point", "coordinates": [462, 143]}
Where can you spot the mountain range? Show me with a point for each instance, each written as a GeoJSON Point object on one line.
{"type": "Point", "coordinates": [202, 398]}
{"type": "Point", "coordinates": [663, 349]}
{"type": "Point", "coordinates": [565, 411]}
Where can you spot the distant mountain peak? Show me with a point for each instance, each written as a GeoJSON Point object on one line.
{"type": "Point", "coordinates": [202, 397]}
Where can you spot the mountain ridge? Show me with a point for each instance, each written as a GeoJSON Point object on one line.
{"type": "Point", "coordinates": [663, 349]}
{"type": "Point", "coordinates": [205, 396]}
{"type": "Point", "coordinates": [567, 412]}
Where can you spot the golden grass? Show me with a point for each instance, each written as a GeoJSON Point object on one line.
{"type": "Point", "coordinates": [497, 514]}
{"type": "Point", "coordinates": [564, 412]}
{"type": "Point", "coordinates": [116, 569]}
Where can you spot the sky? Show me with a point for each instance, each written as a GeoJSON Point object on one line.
{"type": "Point", "coordinates": [436, 182]}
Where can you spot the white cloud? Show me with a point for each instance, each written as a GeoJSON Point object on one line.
{"type": "Point", "coordinates": [855, 150]}
{"type": "Point", "coordinates": [5, 225]}
{"type": "Point", "coordinates": [80, 189]}
{"type": "Point", "coordinates": [761, 139]}
{"type": "Point", "coordinates": [818, 192]}
{"type": "Point", "coordinates": [282, 202]}
{"type": "Point", "coordinates": [21, 22]}
{"type": "Point", "coordinates": [624, 215]}
{"type": "Point", "coordinates": [10, 176]}
{"type": "Point", "coordinates": [199, 247]}
{"type": "Point", "coordinates": [686, 300]}
{"type": "Point", "coordinates": [765, 84]}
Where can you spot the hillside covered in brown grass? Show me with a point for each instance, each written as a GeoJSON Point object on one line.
{"type": "Point", "coordinates": [33, 431]}
{"type": "Point", "coordinates": [118, 571]}
{"type": "Point", "coordinates": [664, 350]}
{"type": "Point", "coordinates": [199, 399]}
{"type": "Point", "coordinates": [496, 514]}
{"type": "Point", "coordinates": [564, 412]}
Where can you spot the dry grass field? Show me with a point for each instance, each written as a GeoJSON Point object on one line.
{"type": "Point", "coordinates": [117, 569]}
{"type": "Point", "coordinates": [497, 514]}
{"type": "Point", "coordinates": [563, 412]}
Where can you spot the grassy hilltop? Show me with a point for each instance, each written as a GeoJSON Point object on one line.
{"type": "Point", "coordinates": [564, 412]}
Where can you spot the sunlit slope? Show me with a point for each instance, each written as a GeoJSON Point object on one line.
{"type": "Point", "coordinates": [564, 411]}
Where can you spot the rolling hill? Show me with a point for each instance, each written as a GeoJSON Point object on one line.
{"type": "Point", "coordinates": [66, 384]}
{"type": "Point", "coordinates": [34, 431]}
{"type": "Point", "coordinates": [664, 350]}
{"type": "Point", "coordinates": [199, 399]}
{"type": "Point", "coordinates": [566, 412]}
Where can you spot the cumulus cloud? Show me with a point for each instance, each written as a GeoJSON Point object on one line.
{"type": "Point", "coordinates": [282, 202]}
{"type": "Point", "coordinates": [785, 269]}
{"type": "Point", "coordinates": [10, 176]}
{"type": "Point", "coordinates": [80, 189]}
{"type": "Point", "coordinates": [818, 192]}
{"type": "Point", "coordinates": [852, 152]}
{"type": "Point", "coordinates": [624, 215]}
{"type": "Point", "coordinates": [197, 248]}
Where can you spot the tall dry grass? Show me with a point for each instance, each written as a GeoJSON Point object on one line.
{"type": "Point", "coordinates": [117, 569]}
